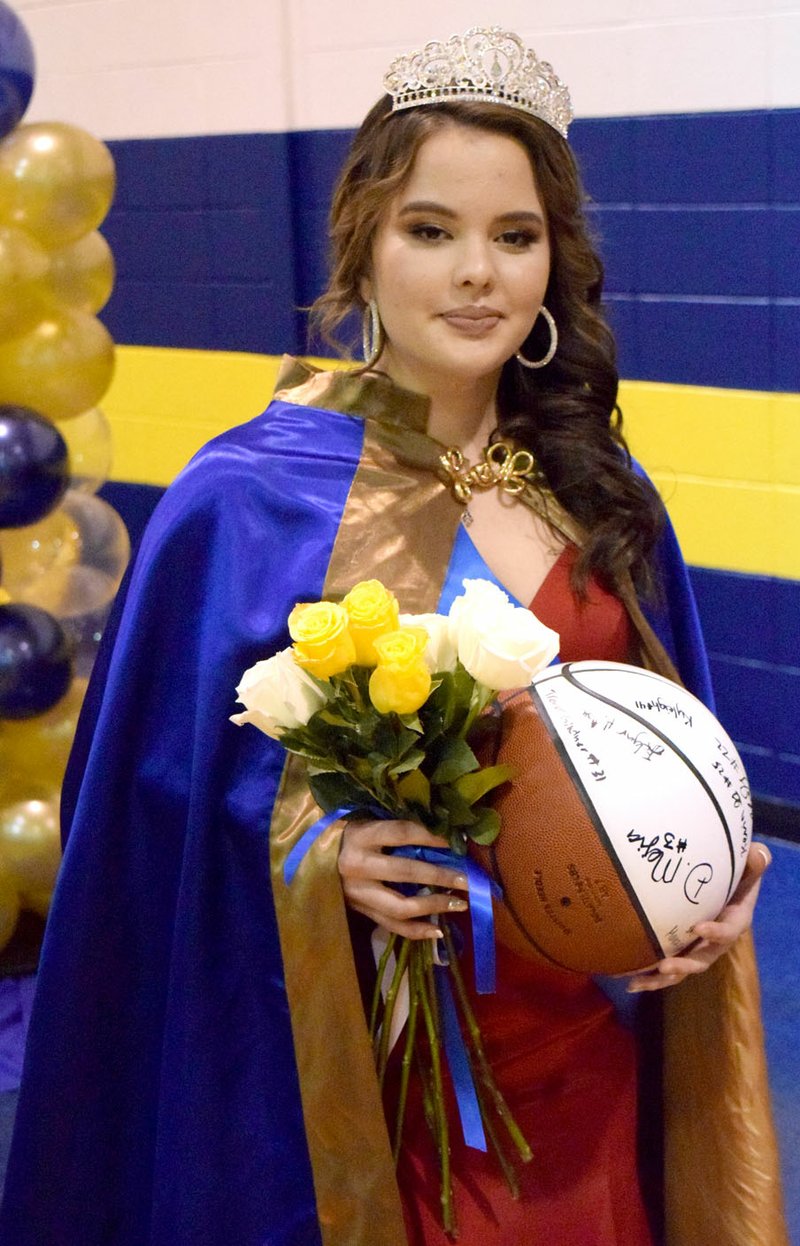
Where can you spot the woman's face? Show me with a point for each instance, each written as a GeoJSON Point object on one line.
{"type": "Point", "coordinates": [460, 261]}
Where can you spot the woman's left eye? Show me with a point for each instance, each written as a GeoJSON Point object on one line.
{"type": "Point", "coordinates": [518, 239]}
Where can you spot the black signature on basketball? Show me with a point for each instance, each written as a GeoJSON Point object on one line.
{"type": "Point", "coordinates": [663, 852]}
{"type": "Point", "coordinates": [666, 707]}
{"type": "Point", "coordinates": [642, 746]}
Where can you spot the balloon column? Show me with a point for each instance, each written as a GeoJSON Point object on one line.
{"type": "Point", "coordinates": [62, 549]}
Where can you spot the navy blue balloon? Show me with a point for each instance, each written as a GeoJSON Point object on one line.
{"type": "Point", "coordinates": [17, 66]}
{"type": "Point", "coordinates": [34, 466]}
{"type": "Point", "coordinates": [35, 661]}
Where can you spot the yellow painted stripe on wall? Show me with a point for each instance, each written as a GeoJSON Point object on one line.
{"type": "Point", "coordinates": [727, 462]}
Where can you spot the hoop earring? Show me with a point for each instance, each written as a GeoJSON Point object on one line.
{"type": "Point", "coordinates": [371, 334]}
{"type": "Point", "coordinates": [541, 363]}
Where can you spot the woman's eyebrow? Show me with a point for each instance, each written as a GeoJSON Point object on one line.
{"type": "Point", "coordinates": [430, 205]}
{"type": "Point", "coordinates": [427, 205]}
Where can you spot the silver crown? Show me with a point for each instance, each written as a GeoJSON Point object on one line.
{"type": "Point", "coordinates": [486, 63]}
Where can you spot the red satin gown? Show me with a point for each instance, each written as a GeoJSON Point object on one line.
{"type": "Point", "coordinates": [566, 1065]}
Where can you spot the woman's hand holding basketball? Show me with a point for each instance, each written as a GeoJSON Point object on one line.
{"type": "Point", "coordinates": [715, 936]}
{"type": "Point", "coordinates": [368, 871]}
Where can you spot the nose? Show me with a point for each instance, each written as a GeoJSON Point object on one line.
{"type": "Point", "coordinates": [473, 264]}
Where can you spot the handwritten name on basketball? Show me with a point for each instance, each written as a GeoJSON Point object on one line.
{"type": "Point", "coordinates": [663, 852]}
{"type": "Point", "coordinates": [666, 855]}
{"type": "Point", "coordinates": [574, 732]}
{"type": "Point", "coordinates": [671, 708]}
{"type": "Point", "coordinates": [732, 775]}
{"type": "Point", "coordinates": [643, 745]}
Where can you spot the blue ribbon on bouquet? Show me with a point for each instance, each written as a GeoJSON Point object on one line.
{"type": "Point", "coordinates": [458, 1062]}
{"type": "Point", "coordinates": [480, 889]}
{"type": "Point", "coordinates": [307, 840]}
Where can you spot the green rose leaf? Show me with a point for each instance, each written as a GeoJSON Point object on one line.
{"type": "Point", "coordinates": [473, 786]}
{"type": "Point", "coordinates": [415, 789]}
{"type": "Point", "coordinates": [453, 759]}
{"type": "Point", "coordinates": [332, 791]}
{"type": "Point", "coordinates": [486, 828]}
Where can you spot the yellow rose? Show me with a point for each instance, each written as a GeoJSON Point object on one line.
{"type": "Point", "coordinates": [323, 645]}
{"type": "Point", "coordinates": [373, 611]}
{"type": "Point", "coordinates": [401, 681]}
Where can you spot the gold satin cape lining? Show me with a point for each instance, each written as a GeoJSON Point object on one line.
{"type": "Point", "coordinates": [722, 1183]}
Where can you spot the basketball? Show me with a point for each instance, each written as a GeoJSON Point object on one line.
{"type": "Point", "coordinates": [629, 819]}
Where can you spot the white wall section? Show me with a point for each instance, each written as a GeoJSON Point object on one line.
{"type": "Point", "coordinates": [160, 68]}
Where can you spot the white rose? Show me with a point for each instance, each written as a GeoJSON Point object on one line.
{"type": "Point", "coordinates": [501, 645]}
{"type": "Point", "coordinates": [278, 695]}
{"type": "Point", "coordinates": [441, 652]}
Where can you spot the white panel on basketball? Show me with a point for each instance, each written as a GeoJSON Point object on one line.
{"type": "Point", "coordinates": [663, 783]}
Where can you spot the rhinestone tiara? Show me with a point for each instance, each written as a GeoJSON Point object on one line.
{"type": "Point", "coordinates": [487, 63]}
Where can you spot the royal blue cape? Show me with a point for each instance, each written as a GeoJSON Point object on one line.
{"type": "Point", "coordinates": [160, 1098]}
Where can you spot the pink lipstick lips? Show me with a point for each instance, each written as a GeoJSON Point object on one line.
{"type": "Point", "coordinates": [473, 320]}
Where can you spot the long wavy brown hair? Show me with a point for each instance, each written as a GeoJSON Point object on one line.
{"type": "Point", "coordinates": [567, 413]}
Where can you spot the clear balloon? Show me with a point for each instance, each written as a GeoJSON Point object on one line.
{"type": "Point", "coordinates": [82, 275]}
{"type": "Point", "coordinates": [71, 565]}
{"type": "Point", "coordinates": [88, 439]}
{"type": "Point", "coordinates": [34, 751]}
{"type": "Point", "coordinates": [35, 661]}
{"type": "Point", "coordinates": [85, 631]}
{"type": "Point", "coordinates": [24, 268]}
{"type": "Point", "coordinates": [105, 544]}
{"type": "Point", "coordinates": [16, 69]}
{"type": "Point", "coordinates": [30, 844]}
{"type": "Point", "coordinates": [38, 557]}
{"type": "Point", "coordinates": [34, 466]}
{"type": "Point", "coordinates": [61, 367]}
{"type": "Point", "coordinates": [56, 182]}
{"type": "Point", "coordinates": [9, 909]}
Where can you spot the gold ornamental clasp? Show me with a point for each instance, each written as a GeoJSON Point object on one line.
{"type": "Point", "coordinates": [502, 465]}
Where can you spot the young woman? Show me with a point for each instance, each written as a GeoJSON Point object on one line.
{"type": "Point", "coordinates": [198, 1067]}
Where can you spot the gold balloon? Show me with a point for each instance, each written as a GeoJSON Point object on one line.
{"type": "Point", "coordinates": [9, 909]}
{"type": "Point", "coordinates": [61, 368]}
{"type": "Point", "coordinates": [23, 268]}
{"type": "Point", "coordinates": [37, 559]}
{"type": "Point", "coordinates": [15, 787]}
{"type": "Point", "coordinates": [35, 750]}
{"type": "Point", "coordinates": [37, 901]}
{"type": "Point", "coordinates": [30, 844]}
{"type": "Point", "coordinates": [56, 182]}
{"type": "Point", "coordinates": [82, 275]}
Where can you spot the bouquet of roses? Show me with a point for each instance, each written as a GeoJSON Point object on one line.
{"type": "Point", "coordinates": [380, 706]}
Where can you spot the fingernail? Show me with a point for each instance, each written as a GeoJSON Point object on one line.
{"type": "Point", "coordinates": [455, 905]}
{"type": "Point", "coordinates": [436, 934]}
{"type": "Point", "coordinates": [460, 880]}
{"type": "Point", "coordinates": [765, 852]}
{"type": "Point", "coordinates": [634, 988]}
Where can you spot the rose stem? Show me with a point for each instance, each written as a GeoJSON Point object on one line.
{"type": "Point", "coordinates": [411, 1030]}
{"type": "Point", "coordinates": [388, 1010]}
{"type": "Point", "coordinates": [504, 1162]}
{"type": "Point", "coordinates": [479, 700]}
{"type": "Point", "coordinates": [376, 994]}
{"type": "Point", "coordinates": [427, 1101]}
{"type": "Point", "coordinates": [502, 1159]}
{"type": "Point", "coordinates": [430, 1012]}
{"type": "Point", "coordinates": [486, 1075]}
